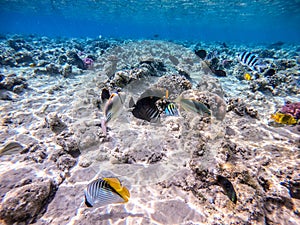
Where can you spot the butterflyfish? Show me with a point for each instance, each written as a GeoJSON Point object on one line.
{"type": "Point", "coordinates": [193, 105]}
{"type": "Point", "coordinates": [112, 109]}
{"type": "Point", "coordinates": [283, 118]}
{"type": "Point", "coordinates": [105, 191]}
{"type": "Point", "coordinates": [227, 187]}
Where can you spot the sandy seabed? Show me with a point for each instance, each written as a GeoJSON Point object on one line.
{"type": "Point", "coordinates": [52, 144]}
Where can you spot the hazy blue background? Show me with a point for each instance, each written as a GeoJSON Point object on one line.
{"type": "Point", "coordinates": [219, 20]}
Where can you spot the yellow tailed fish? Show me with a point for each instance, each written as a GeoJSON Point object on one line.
{"type": "Point", "coordinates": [247, 76]}
{"type": "Point", "coordinates": [283, 118]}
{"type": "Point", "coordinates": [112, 109]}
{"type": "Point", "coordinates": [102, 192]}
{"type": "Point", "coordinates": [116, 185]}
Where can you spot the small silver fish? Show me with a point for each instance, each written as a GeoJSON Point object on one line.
{"type": "Point", "coordinates": [105, 191]}
{"type": "Point", "coordinates": [112, 109]}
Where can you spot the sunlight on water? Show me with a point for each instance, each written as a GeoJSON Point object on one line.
{"type": "Point", "coordinates": [209, 20]}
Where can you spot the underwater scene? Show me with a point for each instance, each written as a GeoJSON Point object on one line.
{"type": "Point", "coordinates": [149, 112]}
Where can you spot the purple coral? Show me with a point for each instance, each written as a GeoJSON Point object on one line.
{"type": "Point", "coordinates": [293, 109]}
{"type": "Point", "coordinates": [88, 62]}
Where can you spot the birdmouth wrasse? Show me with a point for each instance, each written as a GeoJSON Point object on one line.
{"type": "Point", "coordinates": [227, 187]}
{"type": "Point", "coordinates": [105, 191]}
{"type": "Point", "coordinates": [252, 61]}
{"type": "Point", "coordinates": [112, 109]}
{"type": "Point", "coordinates": [193, 105]}
{"type": "Point", "coordinates": [247, 76]}
{"type": "Point", "coordinates": [283, 118]}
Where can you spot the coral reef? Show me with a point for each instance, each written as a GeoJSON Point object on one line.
{"type": "Point", "coordinates": [291, 108]}
{"type": "Point", "coordinates": [14, 83]}
{"type": "Point", "coordinates": [52, 144]}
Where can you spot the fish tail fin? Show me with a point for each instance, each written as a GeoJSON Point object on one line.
{"type": "Point", "coordinates": [131, 103]}
{"type": "Point", "coordinates": [273, 116]}
{"type": "Point", "coordinates": [103, 126]}
{"type": "Point", "coordinates": [178, 99]}
{"type": "Point", "coordinates": [125, 194]}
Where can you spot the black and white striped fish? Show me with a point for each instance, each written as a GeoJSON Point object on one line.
{"type": "Point", "coordinates": [146, 108]}
{"type": "Point", "coordinates": [105, 191]}
{"type": "Point", "coordinates": [252, 61]}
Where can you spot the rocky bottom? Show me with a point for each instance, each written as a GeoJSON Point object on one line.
{"type": "Point", "coordinates": [235, 167]}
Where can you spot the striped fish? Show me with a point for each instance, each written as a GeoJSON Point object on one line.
{"type": "Point", "coordinates": [105, 191]}
{"type": "Point", "coordinates": [146, 109]}
{"type": "Point", "coordinates": [252, 61]}
{"type": "Point", "coordinates": [171, 110]}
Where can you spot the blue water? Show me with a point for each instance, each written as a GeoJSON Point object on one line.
{"type": "Point", "coordinates": [218, 20]}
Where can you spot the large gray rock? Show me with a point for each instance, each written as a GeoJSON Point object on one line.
{"type": "Point", "coordinates": [174, 212]}
{"type": "Point", "coordinates": [64, 205]}
{"type": "Point", "coordinates": [24, 203]}
{"type": "Point", "coordinates": [14, 178]}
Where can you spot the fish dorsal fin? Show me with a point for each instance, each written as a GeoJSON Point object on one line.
{"type": "Point", "coordinates": [115, 184]}
{"type": "Point", "coordinates": [112, 96]}
{"type": "Point", "coordinates": [167, 93]}
{"type": "Point", "coordinates": [105, 95]}
{"type": "Point", "coordinates": [131, 103]}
